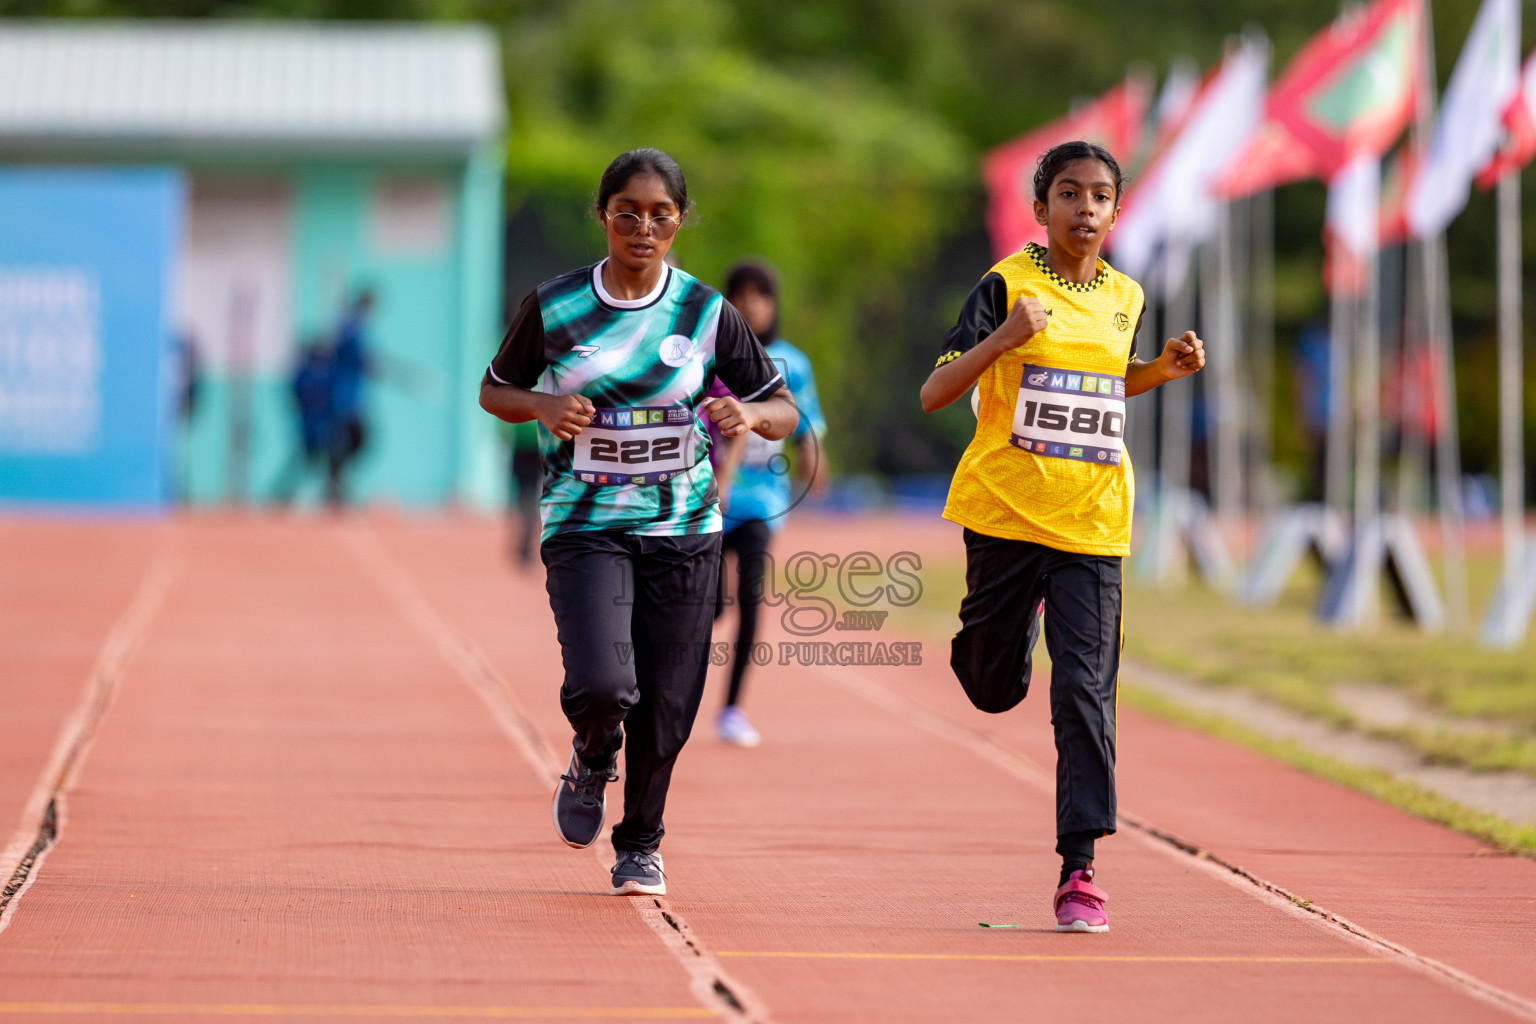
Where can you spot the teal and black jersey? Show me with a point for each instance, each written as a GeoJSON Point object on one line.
{"type": "Point", "coordinates": [642, 465]}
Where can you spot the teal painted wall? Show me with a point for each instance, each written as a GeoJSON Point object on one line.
{"type": "Point", "coordinates": [202, 466]}
{"type": "Point", "coordinates": [434, 326]}
{"type": "Point", "coordinates": [411, 456]}
{"type": "Point", "coordinates": [482, 471]}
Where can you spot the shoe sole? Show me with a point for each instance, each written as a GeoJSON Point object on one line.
{"type": "Point", "coordinates": [554, 814]}
{"type": "Point", "coordinates": [633, 888]}
{"type": "Point", "coordinates": [1082, 926]}
{"type": "Point", "coordinates": [733, 741]}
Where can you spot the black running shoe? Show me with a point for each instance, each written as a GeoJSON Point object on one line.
{"type": "Point", "coordinates": [580, 803]}
{"type": "Point", "coordinates": [637, 873]}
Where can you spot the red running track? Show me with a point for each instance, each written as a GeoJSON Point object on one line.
{"type": "Point", "coordinates": [302, 770]}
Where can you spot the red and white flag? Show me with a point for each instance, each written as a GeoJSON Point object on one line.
{"type": "Point", "coordinates": [1173, 204]}
{"type": "Point", "coordinates": [1351, 90]}
{"type": "Point", "coordinates": [1114, 121]}
{"type": "Point", "coordinates": [1519, 122]}
{"type": "Point", "coordinates": [1352, 227]}
{"type": "Point", "coordinates": [1469, 127]}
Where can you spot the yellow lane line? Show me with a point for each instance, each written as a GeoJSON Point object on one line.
{"type": "Point", "coordinates": [1064, 958]}
{"type": "Point", "coordinates": [353, 1010]}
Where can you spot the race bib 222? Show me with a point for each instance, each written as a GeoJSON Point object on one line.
{"type": "Point", "coordinates": [636, 446]}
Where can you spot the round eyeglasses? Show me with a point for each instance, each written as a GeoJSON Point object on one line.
{"type": "Point", "coordinates": [627, 224]}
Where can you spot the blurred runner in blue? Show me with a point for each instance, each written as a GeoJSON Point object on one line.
{"type": "Point", "coordinates": [311, 385]}
{"type": "Point", "coordinates": [756, 492]}
{"type": "Point", "coordinates": [351, 361]}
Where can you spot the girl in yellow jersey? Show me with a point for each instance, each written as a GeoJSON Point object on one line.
{"type": "Point", "coordinates": [1045, 488]}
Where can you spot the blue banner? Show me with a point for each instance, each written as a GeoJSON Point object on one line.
{"type": "Point", "coordinates": [86, 263]}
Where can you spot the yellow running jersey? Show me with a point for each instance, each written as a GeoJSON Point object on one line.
{"type": "Point", "coordinates": [1048, 463]}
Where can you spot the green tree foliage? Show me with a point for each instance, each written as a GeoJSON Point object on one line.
{"type": "Point", "coordinates": [841, 140]}
{"type": "Point", "coordinates": [824, 172]}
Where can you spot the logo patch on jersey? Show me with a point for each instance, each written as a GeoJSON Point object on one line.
{"type": "Point", "coordinates": [582, 351]}
{"type": "Point", "coordinates": [1058, 380]}
{"type": "Point", "coordinates": [622, 418]}
{"type": "Point", "coordinates": [1122, 322]}
{"type": "Point", "coordinates": [1090, 384]}
{"type": "Point", "coordinates": [605, 417]}
{"type": "Point", "coordinates": [677, 350]}
{"type": "Point", "coordinates": [1106, 386]}
{"type": "Point", "coordinates": [1074, 381]}
{"type": "Point", "coordinates": [1038, 378]}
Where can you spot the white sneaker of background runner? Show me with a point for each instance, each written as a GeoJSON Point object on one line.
{"type": "Point", "coordinates": [734, 728]}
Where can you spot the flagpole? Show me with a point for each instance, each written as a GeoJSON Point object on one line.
{"type": "Point", "coordinates": [1367, 442]}
{"type": "Point", "coordinates": [1437, 307]}
{"type": "Point", "coordinates": [1177, 410]}
{"type": "Point", "coordinates": [1413, 447]}
{"type": "Point", "coordinates": [1227, 433]}
{"type": "Point", "coordinates": [1506, 625]}
{"type": "Point", "coordinates": [1261, 333]}
{"type": "Point", "coordinates": [1447, 436]}
{"type": "Point", "coordinates": [1340, 341]}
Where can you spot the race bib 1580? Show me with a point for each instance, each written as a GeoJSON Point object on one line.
{"type": "Point", "coordinates": [635, 446]}
{"type": "Point", "coordinates": [1065, 414]}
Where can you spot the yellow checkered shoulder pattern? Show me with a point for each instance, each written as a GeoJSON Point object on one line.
{"type": "Point", "coordinates": [1001, 491]}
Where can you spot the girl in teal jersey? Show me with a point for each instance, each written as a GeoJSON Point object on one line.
{"type": "Point", "coordinates": [614, 362]}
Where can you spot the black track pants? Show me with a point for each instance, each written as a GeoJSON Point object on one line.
{"type": "Point", "coordinates": [999, 622]}
{"type": "Point", "coordinates": [633, 615]}
{"type": "Point", "coordinates": [750, 542]}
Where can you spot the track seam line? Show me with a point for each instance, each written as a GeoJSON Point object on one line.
{"type": "Point", "coordinates": [710, 983]}
{"type": "Point", "coordinates": [1020, 766]}
{"type": "Point", "coordinates": [43, 817]}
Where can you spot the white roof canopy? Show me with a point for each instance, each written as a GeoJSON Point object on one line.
{"type": "Point", "coordinates": [208, 85]}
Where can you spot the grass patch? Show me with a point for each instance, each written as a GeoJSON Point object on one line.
{"type": "Point", "coordinates": [1408, 796]}
{"type": "Point", "coordinates": [1284, 654]}
{"type": "Point", "coordinates": [1287, 646]}
{"type": "Point", "coordinates": [1479, 751]}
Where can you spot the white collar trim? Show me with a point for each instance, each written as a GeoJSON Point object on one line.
{"type": "Point", "coordinates": [609, 300]}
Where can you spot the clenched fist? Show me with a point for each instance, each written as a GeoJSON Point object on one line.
{"type": "Point", "coordinates": [1027, 319]}
{"type": "Point", "coordinates": [565, 415]}
{"type": "Point", "coordinates": [728, 415]}
{"type": "Point", "coordinates": [1182, 356]}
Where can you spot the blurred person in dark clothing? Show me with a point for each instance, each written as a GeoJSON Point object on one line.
{"type": "Point", "coordinates": [312, 389]}
{"type": "Point", "coordinates": [351, 361]}
{"type": "Point", "coordinates": [756, 490]}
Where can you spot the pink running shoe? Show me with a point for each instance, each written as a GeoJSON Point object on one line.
{"type": "Point", "coordinates": [1080, 904]}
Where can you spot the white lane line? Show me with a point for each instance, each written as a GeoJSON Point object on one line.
{"type": "Point", "coordinates": [43, 817]}
{"type": "Point", "coordinates": [871, 690]}
{"type": "Point", "coordinates": [710, 983]}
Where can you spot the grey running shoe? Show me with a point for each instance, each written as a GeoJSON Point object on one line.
{"type": "Point", "coordinates": [637, 873]}
{"type": "Point", "coordinates": [580, 803]}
